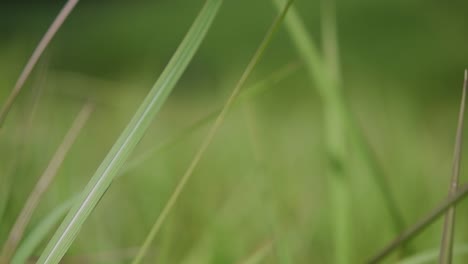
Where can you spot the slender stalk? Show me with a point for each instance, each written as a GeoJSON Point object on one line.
{"type": "Point", "coordinates": [209, 137]}
{"type": "Point", "coordinates": [16, 233]}
{"type": "Point", "coordinates": [420, 225]}
{"type": "Point", "coordinates": [54, 27]}
{"type": "Point", "coordinates": [132, 134]}
{"type": "Point", "coordinates": [449, 221]}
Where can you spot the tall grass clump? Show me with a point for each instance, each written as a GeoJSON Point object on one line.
{"type": "Point", "coordinates": [129, 138]}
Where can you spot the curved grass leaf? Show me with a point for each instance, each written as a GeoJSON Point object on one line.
{"type": "Point", "coordinates": [129, 138]}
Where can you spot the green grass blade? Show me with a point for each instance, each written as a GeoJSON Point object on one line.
{"type": "Point", "coordinates": [40, 232]}
{"type": "Point", "coordinates": [449, 221]}
{"type": "Point", "coordinates": [54, 27]}
{"type": "Point", "coordinates": [414, 230]}
{"type": "Point", "coordinates": [132, 134]}
{"type": "Point", "coordinates": [209, 137]}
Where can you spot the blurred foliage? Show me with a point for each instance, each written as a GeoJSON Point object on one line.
{"type": "Point", "coordinates": [263, 178]}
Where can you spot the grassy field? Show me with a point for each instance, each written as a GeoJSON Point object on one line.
{"type": "Point", "coordinates": [292, 172]}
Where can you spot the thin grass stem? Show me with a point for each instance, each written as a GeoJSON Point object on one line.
{"type": "Point", "coordinates": [54, 27]}
{"type": "Point", "coordinates": [449, 221]}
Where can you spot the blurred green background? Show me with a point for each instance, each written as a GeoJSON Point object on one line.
{"type": "Point", "coordinates": [264, 177]}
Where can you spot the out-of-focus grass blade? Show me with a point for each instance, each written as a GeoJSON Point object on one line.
{"type": "Point", "coordinates": [40, 232]}
{"type": "Point", "coordinates": [325, 73]}
{"type": "Point", "coordinates": [414, 230]}
{"type": "Point", "coordinates": [43, 183]}
{"type": "Point", "coordinates": [211, 133]}
{"type": "Point", "coordinates": [129, 138]}
{"type": "Point", "coordinates": [54, 27]}
{"type": "Point", "coordinates": [449, 221]}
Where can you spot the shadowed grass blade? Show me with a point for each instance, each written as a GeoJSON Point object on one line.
{"type": "Point", "coordinates": [449, 221]}
{"type": "Point", "coordinates": [209, 137]}
{"type": "Point", "coordinates": [35, 57]}
{"type": "Point", "coordinates": [132, 134]}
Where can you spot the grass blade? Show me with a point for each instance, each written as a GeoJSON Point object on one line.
{"type": "Point", "coordinates": [43, 183]}
{"type": "Point", "coordinates": [132, 134]}
{"type": "Point", "coordinates": [40, 232]}
{"type": "Point", "coordinates": [209, 137]}
{"type": "Point", "coordinates": [420, 225]}
{"type": "Point", "coordinates": [54, 27]}
{"type": "Point", "coordinates": [449, 221]}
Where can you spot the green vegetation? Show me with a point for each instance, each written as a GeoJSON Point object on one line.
{"type": "Point", "coordinates": [334, 145]}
